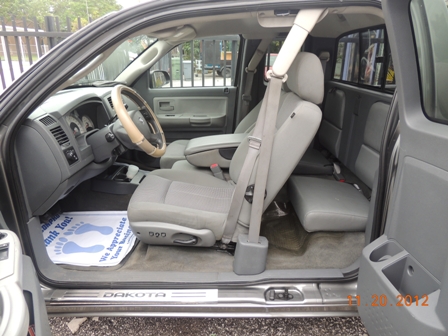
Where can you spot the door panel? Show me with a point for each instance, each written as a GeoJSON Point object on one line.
{"type": "Point", "coordinates": [22, 304]}
{"type": "Point", "coordinates": [187, 113]}
{"type": "Point", "coordinates": [410, 260]}
{"type": "Point", "coordinates": [191, 112]}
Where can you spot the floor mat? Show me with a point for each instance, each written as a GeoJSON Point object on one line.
{"type": "Point", "coordinates": [94, 238]}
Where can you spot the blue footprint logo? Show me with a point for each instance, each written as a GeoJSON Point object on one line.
{"type": "Point", "coordinates": [82, 227]}
{"type": "Point", "coordinates": [63, 246]}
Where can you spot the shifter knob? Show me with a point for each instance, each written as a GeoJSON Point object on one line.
{"type": "Point", "coordinates": [132, 171]}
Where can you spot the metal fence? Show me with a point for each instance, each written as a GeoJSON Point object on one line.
{"type": "Point", "coordinates": [23, 41]}
{"type": "Point", "coordinates": [209, 61]}
{"type": "Point", "coordinates": [205, 62]}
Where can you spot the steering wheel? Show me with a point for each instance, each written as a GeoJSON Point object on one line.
{"type": "Point", "coordinates": [142, 126]}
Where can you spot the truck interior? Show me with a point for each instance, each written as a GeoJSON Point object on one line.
{"type": "Point", "coordinates": [318, 209]}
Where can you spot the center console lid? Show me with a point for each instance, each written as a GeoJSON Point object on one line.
{"type": "Point", "coordinates": [204, 151]}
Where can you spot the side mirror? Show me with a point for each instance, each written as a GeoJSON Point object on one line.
{"type": "Point", "coordinates": [158, 78]}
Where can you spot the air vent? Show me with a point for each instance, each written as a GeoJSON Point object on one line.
{"type": "Point", "coordinates": [109, 99]}
{"type": "Point", "coordinates": [60, 135]}
{"type": "Point", "coordinates": [47, 121]}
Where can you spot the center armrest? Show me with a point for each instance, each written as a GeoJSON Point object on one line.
{"type": "Point", "coordinates": [207, 143]}
{"type": "Point", "coordinates": [204, 151]}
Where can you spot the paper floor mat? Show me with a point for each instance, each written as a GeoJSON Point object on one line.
{"type": "Point", "coordinates": [94, 238]}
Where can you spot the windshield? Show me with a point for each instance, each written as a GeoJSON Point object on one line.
{"type": "Point", "coordinates": [119, 60]}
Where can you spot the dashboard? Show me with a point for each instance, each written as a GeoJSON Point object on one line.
{"type": "Point", "coordinates": [57, 146]}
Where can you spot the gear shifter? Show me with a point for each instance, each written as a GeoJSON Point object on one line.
{"type": "Point", "coordinates": [132, 171]}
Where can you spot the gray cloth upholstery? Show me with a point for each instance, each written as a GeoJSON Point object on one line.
{"type": "Point", "coordinates": [187, 198]}
{"type": "Point", "coordinates": [330, 134]}
{"type": "Point", "coordinates": [368, 158]}
{"type": "Point", "coordinates": [184, 165]}
{"type": "Point", "coordinates": [194, 200]}
{"type": "Point", "coordinates": [306, 78]}
{"type": "Point", "coordinates": [174, 152]}
{"type": "Point", "coordinates": [328, 205]}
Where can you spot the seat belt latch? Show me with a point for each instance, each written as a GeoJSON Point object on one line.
{"type": "Point", "coordinates": [217, 171]}
{"type": "Point", "coordinates": [254, 142]}
{"type": "Point", "coordinates": [337, 173]}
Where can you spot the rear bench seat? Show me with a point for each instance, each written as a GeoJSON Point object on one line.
{"type": "Point", "coordinates": [328, 205]}
{"type": "Point", "coordinates": [313, 161]}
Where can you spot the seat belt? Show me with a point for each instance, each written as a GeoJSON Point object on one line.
{"type": "Point", "coordinates": [264, 132]}
{"type": "Point", "coordinates": [251, 69]}
{"type": "Point", "coordinates": [263, 136]}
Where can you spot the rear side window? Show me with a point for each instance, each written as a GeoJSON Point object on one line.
{"type": "Point", "coordinates": [363, 59]}
{"type": "Point", "coordinates": [347, 59]}
{"type": "Point", "coordinates": [430, 22]}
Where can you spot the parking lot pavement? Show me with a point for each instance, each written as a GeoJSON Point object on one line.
{"type": "Point", "coordinates": [211, 327]}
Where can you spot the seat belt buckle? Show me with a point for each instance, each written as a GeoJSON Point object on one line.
{"type": "Point", "coordinates": [249, 194]}
{"type": "Point", "coordinates": [337, 173]}
{"type": "Point", "coordinates": [217, 171]}
{"type": "Point", "coordinates": [254, 142]}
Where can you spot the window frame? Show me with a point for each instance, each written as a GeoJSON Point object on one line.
{"type": "Point", "coordinates": [418, 65]}
{"type": "Point", "coordinates": [382, 87]}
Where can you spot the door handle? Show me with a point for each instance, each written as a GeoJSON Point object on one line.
{"type": "Point", "coordinates": [165, 106]}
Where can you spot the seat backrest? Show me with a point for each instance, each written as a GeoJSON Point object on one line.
{"type": "Point", "coordinates": [369, 158]}
{"type": "Point", "coordinates": [330, 131]}
{"type": "Point", "coordinates": [298, 119]}
{"type": "Point", "coordinates": [248, 123]}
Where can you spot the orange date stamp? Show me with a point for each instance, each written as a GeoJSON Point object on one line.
{"type": "Point", "coordinates": [382, 300]}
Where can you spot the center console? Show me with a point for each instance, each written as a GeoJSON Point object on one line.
{"type": "Point", "coordinates": [120, 179]}
{"type": "Point", "coordinates": [204, 151]}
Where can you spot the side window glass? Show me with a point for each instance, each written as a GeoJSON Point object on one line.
{"type": "Point", "coordinates": [347, 58]}
{"type": "Point", "coordinates": [361, 59]}
{"type": "Point", "coordinates": [204, 62]}
{"type": "Point", "coordinates": [390, 76]}
{"type": "Point", "coordinates": [430, 22]}
{"type": "Point", "coordinates": [372, 48]}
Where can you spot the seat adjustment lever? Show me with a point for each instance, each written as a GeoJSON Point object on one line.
{"type": "Point", "coordinates": [192, 241]}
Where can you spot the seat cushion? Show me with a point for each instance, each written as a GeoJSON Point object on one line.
{"type": "Point", "coordinates": [174, 152]}
{"type": "Point", "coordinates": [328, 205]}
{"type": "Point", "coordinates": [184, 165]}
{"type": "Point", "coordinates": [188, 198]}
{"type": "Point", "coordinates": [313, 163]}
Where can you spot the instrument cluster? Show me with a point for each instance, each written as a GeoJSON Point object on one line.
{"type": "Point", "coordinates": [79, 124]}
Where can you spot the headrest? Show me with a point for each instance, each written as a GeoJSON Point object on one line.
{"type": "Point", "coordinates": [306, 78]}
{"type": "Point", "coordinates": [324, 56]}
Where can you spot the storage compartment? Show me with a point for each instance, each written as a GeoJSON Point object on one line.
{"type": "Point", "coordinates": [219, 149]}
{"type": "Point", "coordinates": [410, 278]}
{"type": "Point", "coordinates": [385, 251]}
{"type": "Point", "coordinates": [114, 180]}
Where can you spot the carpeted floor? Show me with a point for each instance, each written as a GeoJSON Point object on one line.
{"type": "Point", "coordinates": [290, 246]}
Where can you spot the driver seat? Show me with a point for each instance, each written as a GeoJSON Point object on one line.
{"type": "Point", "coordinates": [173, 207]}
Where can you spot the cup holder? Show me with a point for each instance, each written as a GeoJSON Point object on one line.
{"type": "Point", "coordinates": [385, 251]}
{"type": "Point", "coordinates": [121, 177]}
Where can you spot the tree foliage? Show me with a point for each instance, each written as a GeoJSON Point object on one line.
{"type": "Point", "coordinates": [59, 8]}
